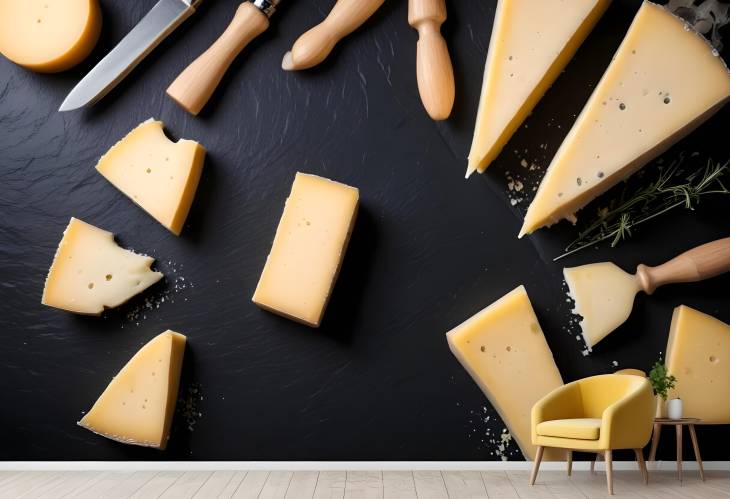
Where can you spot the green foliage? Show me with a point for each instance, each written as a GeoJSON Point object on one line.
{"type": "Point", "coordinates": [661, 382]}
{"type": "Point", "coordinates": [669, 191]}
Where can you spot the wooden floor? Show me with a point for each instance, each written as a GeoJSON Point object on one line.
{"type": "Point", "coordinates": [353, 484]}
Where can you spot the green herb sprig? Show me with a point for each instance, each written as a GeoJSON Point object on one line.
{"type": "Point", "coordinates": [666, 193]}
{"type": "Point", "coordinates": [661, 381]}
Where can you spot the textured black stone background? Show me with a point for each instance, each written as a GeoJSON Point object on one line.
{"type": "Point", "coordinates": [377, 380]}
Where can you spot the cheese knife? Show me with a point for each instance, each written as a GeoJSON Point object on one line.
{"type": "Point", "coordinates": [154, 27]}
{"type": "Point", "coordinates": [604, 293]}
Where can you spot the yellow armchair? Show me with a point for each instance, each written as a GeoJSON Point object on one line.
{"type": "Point", "coordinates": [597, 414]}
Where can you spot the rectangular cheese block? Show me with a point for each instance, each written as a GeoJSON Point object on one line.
{"type": "Point", "coordinates": [505, 352]}
{"type": "Point", "coordinates": [138, 405]}
{"type": "Point", "coordinates": [663, 82]}
{"type": "Point", "coordinates": [698, 355]}
{"type": "Point", "coordinates": [308, 248]}
{"type": "Point", "coordinates": [90, 272]}
{"type": "Point", "coordinates": [159, 175]}
{"type": "Point", "coordinates": [531, 43]}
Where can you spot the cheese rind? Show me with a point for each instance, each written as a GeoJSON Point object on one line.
{"type": "Point", "coordinates": [90, 272]}
{"type": "Point", "coordinates": [698, 355]}
{"type": "Point", "coordinates": [308, 249]}
{"type": "Point", "coordinates": [138, 405]}
{"type": "Point", "coordinates": [663, 82]}
{"type": "Point", "coordinates": [505, 352]}
{"type": "Point", "coordinates": [530, 45]}
{"type": "Point", "coordinates": [48, 35]}
{"type": "Point", "coordinates": [159, 175]}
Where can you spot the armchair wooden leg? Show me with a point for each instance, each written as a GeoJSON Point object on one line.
{"type": "Point", "coordinates": [642, 464]}
{"type": "Point", "coordinates": [570, 462]}
{"type": "Point", "coordinates": [536, 466]}
{"type": "Point", "coordinates": [593, 463]}
{"type": "Point", "coordinates": [609, 471]}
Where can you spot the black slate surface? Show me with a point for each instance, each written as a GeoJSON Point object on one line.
{"type": "Point", "coordinates": [377, 380]}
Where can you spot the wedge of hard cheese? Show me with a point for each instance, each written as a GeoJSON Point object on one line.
{"type": "Point", "coordinates": [308, 249]}
{"type": "Point", "coordinates": [698, 355]}
{"type": "Point", "coordinates": [531, 43]}
{"type": "Point", "coordinates": [138, 405]}
{"type": "Point", "coordinates": [504, 350]}
{"type": "Point", "coordinates": [159, 175]}
{"type": "Point", "coordinates": [90, 272]}
{"type": "Point", "coordinates": [663, 82]}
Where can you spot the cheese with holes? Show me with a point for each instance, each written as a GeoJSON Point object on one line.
{"type": "Point", "coordinates": [308, 248]}
{"type": "Point", "coordinates": [505, 352]}
{"type": "Point", "coordinates": [159, 175]}
{"type": "Point", "coordinates": [48, 35]}
{"type": "Point", "coordinates": [531, 43]}
{"type": "Point", "coordinates": [138, 405]}
{"type": "Point", "coordinates": [663, 81]}
{"type": "Point", "coordinates": [698, 355]}
{"type": "Point", "coordinates": [90, 272]}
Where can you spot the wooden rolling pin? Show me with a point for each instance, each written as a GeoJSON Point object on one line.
{"type": "Point", "coordinates": [433, 65]}
{"type": "Point", "coordinates": [315, 45]}
{"type": "Point", "coordinates": [194, 86]}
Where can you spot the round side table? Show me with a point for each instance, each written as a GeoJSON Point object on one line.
{"type": "Point", "coordinates": [678, 424]}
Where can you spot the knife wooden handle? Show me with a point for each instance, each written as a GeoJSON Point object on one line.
{"type": "Point", "coordinates": [316, 44]}
{"type": "Point", "coordinates": [194, 86]}
{"type": "Point", "coordinates": [702, 262]}
{"type": "Point", "coordinates": [433, 65]}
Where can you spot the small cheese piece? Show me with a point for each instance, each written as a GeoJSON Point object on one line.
{"type": "Point", "coordinates": [138, 405]}
{"type": "Point", "coordinates": [531, 43]}
{"type": "Point", "coordinates": [663, 82]}
{"type": "Point", "coordinates": [698, 355]}
{"type": "Point", "coordinates": [48, 35]}
{"type": "Point", "coordinates": [504, 350]}
{"type": "Point", "coordinates": [90, 272]}
{"type": "Point", "coordinates": [310, 243]}
{"type": "Point", "coordinates": [159, 175]}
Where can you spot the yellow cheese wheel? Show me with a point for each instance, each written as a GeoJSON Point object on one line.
{"type": "Point", "coordinates": [48, 35]}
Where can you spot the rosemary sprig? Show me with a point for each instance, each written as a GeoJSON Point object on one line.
{"type": "Point", "coordinates": [651, 201]}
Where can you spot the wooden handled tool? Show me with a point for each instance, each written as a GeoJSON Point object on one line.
{"type": "Point", "coordinates": [194, 86]}
{"type": "Point", "coordinates": [433, 64]}
{"type": "Point", "coordinates": [698, 264]}
{"type": "Point", "coordinates": [604, 293]}
{"type": "Point", "coordinates": [316, 44]}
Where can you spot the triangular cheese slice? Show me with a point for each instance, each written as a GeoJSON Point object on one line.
{"type": "Point", "coordinates": [504, 350]}
{"type": "Point", "coordinates": [698, 355]}
{"type": "Point", "coordinates": [531, 43]}
{"type": "Point", "coordinates": [663, 82]}
{"type": "Point", "coordinates": [159, 175]}
{"type": "Point", "coordinates": [90, 272]}
{"type": "Point", "coordinates": [138, 405]}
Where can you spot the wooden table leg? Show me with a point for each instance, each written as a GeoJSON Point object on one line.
{"type": "Point", "coordinates": [679, 451]}
{"type": "Point", "coordinates": [696, 448]}
{"type": "Point", "coordinates": [655, 441]}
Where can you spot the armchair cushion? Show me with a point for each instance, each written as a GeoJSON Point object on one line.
{"type": "Point", "coordinates": [579, 428]}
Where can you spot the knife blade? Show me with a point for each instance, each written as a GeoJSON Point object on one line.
{"type": "Point", "coordinates": [154, 27]}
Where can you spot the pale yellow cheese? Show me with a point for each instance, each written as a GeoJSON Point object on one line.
{"type": "Point", "coordinates": [90, 272]}
{"type": "Point", "coordinates": [604, 296]}
{"type": "Point", "coordinates": [48, 35]}
{"type": "Point", "coordinates": [159, 175]}
{"type": "Point", "coordinates": [308, 249]}
{"type": "Point", "coordinates": [532, 41]}
{"type": "Point", "coordinates": [138, 405]}
{"type": "Point", "coordinates": [698, 355]}
{"type": "Point", "coordinates": [663, 82]}
{"type": "Point", "coordinates": [505, 352]}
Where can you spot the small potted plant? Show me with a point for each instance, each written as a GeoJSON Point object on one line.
{"type": "Point", "coordinates": [661, 382]}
